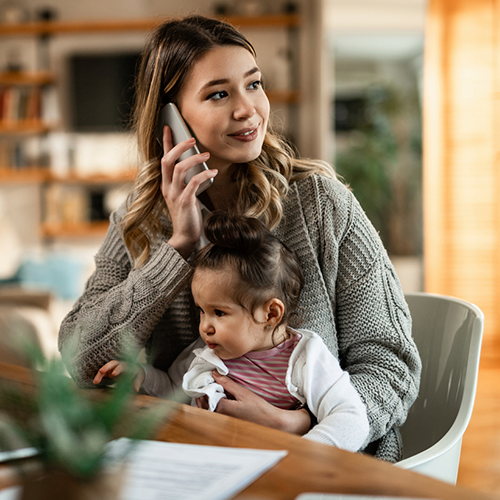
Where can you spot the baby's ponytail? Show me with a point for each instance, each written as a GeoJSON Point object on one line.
{"type": "Point", "coordinates": [265, 266]}
{"type": "Point", "coordinates": [235, 233]}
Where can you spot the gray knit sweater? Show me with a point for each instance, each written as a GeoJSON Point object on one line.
{"type": "Point", "coordinates": [352, 299]}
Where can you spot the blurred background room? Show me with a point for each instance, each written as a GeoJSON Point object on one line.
{"type": "Point", "coordinates": [346, 83]}
{"type": "Point", "coordinates": [343, 79]}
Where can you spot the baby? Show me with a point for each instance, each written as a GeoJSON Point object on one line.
{"type": "Point", "coordinates": [246, 285]}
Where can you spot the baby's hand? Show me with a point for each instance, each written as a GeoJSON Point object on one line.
{"type": "Point", "coordinates": [110, 370]}
{"type": "Point", "coordinates": [114, 368]}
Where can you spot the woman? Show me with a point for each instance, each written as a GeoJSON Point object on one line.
{"type": "Point", "coordinates": [140, 290]}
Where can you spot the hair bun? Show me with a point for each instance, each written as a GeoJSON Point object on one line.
{"type": "Point", "coordinates": [235, 232]}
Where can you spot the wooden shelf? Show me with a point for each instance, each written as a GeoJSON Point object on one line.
{"type": "Point", "coordinates": [60, 27]}
{"type": "Point", "coordinates": [26, 77]}
{"type": "Point", "coordinates": [283, 96]}
{"type": "Point", "coordinates": [24, 175]}
{"type": "Point", "coordinates": [74, 230]}
{"type": "Point", "coordinates": [127, 176]}
{"type": "Point", "coordinates": [24, 127]}
{"type": "Point", "coordinates": [267, 21]}
{"type": "Point", "coordinates": [40, 174]}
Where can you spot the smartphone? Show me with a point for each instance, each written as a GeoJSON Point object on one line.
{"type": "Point", "coordinates": [170, 115]}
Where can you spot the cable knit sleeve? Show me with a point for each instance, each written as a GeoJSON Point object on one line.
{"type": "Point", "coordinates": [119, 304]}
{"type": "Point", "coordinates": [373, 324]}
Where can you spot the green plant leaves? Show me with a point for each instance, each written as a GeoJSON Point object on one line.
{"type": "Point", "coordinates": [68, 425]}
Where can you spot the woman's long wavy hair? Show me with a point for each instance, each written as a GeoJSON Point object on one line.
{"type": "Point", "coordinates": [172, 51]}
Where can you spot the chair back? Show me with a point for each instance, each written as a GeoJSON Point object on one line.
{"type": "Point", "coordinates": [448, 334]}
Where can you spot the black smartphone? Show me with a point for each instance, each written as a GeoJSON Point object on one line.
{"type": "Point", "coordinates": [170, 115]}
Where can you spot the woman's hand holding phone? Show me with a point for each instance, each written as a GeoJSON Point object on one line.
{"type": "Point", "coordinates": [180, 198]}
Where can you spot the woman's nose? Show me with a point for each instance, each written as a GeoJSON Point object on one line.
{"type": "Point", "coordinates": [244, 108]}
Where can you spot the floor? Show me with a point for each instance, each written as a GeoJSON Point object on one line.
{"type": "Point", "coordinates": [480, 458]}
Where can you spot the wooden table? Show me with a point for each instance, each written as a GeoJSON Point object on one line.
{"type": "Point", "coordinates": [308, 466]}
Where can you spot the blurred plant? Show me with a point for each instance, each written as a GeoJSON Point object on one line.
{"type": "Point", "coordinates": [383, 166]}
{"type": "Point", "coordinates": [69, 426]}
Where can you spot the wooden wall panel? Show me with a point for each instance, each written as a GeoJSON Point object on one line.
{"type": "Point", "coordinates": [462, 153]}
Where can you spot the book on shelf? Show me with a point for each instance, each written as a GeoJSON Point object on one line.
{"type": "Point", "coordinates": [18, 154]}
{"type": "Point", "coordinates": [27, 104]}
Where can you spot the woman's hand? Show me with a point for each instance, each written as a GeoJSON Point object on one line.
{"type": "Point", "coordinates": [180, 198]}
{"type": "Point", "coordinates": [113, 369]}
{"type": "Point", "coordinates": [246, 405]}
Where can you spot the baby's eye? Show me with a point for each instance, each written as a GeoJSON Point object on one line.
{"type": "Point", "coordinates": [199, 309]}
{"type": "Point", "coordinates": [217, 96]}
{"type": "Point", "coordinates": [255, 85]}
{"type": "Point", "coordinates": [219, 313]}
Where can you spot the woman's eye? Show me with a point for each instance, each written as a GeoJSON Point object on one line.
{"type": "Point", "coordinates": [216, 96]}
{"type": "Point", "coordinates": [255, 85]}
{"type": "Point", "coordinates": [219, 313]}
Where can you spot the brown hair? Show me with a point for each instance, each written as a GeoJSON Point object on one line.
{"type": "Point", "coordinates": [173, 49]}
{"type": "Point", "coordinates": [266, 268]}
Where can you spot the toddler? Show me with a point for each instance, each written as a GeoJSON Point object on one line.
{"type": "Point", "coordinates": [246, 285]}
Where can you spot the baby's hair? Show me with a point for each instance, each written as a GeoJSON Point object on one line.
{"type": "Point", "coordinates": [266, 267]}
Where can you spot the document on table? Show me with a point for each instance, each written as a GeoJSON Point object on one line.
{"type": "Point", "coordinates": [19, 454]}
{"type": "Point", "coordinates": [158, 470]}
{"type": "Point", "coordinates": [339, 496]}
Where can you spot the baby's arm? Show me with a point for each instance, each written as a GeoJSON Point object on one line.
{"type": "Point", "coordinates": [114, 368]}
{"type": "Point", "coordinates": [169, 384]}
{"type": "Point", "coordinates": [327, 389]}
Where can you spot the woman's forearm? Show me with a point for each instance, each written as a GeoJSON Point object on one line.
{"type": "Point", "coordinates": [119, 305]}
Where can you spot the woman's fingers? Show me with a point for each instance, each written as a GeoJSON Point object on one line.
{"type": "Point", "coordinates": [174, 174]}
{"type": "Point", "coordinates": [230, 386]}
{"type": "Point", "coordinates": [167, 139]}
{"type": "Point", "coordinates": [171, 157]}
{"type": "Point", "coordinates": [248, 406]}
{"type": "Point", "coordinates": [180, 198]}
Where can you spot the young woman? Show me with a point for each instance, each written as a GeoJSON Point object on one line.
{"type": "Point", "coordinates": [247, 285]}
{"type": "Point", "coordinates": [139, 292]}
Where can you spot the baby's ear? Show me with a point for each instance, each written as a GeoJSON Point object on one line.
{"type": "Point", "coordinates": [274, 310]}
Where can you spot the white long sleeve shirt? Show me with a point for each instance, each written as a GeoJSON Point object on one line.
{"type": "Point", "coordinates": [314, 377]}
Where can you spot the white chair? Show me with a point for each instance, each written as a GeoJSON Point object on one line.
{"type": "Point", "coordinates": [448, 334]}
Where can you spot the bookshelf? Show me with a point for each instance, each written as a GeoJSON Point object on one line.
{"type": "Point", "coordinates": [28, 119]}
{"type": "Point", "coordinates": [69, 203]}
{"type": "Point", "coordinates": [116, 25]}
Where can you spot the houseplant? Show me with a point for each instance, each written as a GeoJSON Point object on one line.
{"type": "Point", "coordinates": [69, 427]}
{"type": "Point", "coordinates": [382, 162]}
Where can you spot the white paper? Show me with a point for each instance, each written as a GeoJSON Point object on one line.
{"type": "Point", "coordinates": [158, 470]}
{"type": "Point", "coordinates": [20, 453]}
{"type": "Point", "coordinates": [12, 493]}
{"type": "Point", "coordinates": [340, 496]}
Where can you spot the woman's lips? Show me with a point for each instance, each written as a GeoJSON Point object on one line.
{"type": "Point", "coordinates": [246, 134]}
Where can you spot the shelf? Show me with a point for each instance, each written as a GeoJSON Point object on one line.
{"type": "Point", "coordinates": [40, 174]}
{"type": "Point", "coordinates": [24, 127]}
{"type": "Point", "coordinates": [24, 175]}
{"type": "Point", "coordinates": [74, 230]}
{"type": "Point", "coordinates": [127, 176]}
{"type": "Point", "coordinates": [269, 21]}
{"type": "Point", "coordinates": [26, 77]}
{"type": "Point", "coordinates": [283, 96]}
{"type": "Point", "coordinates": [59, 27]}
